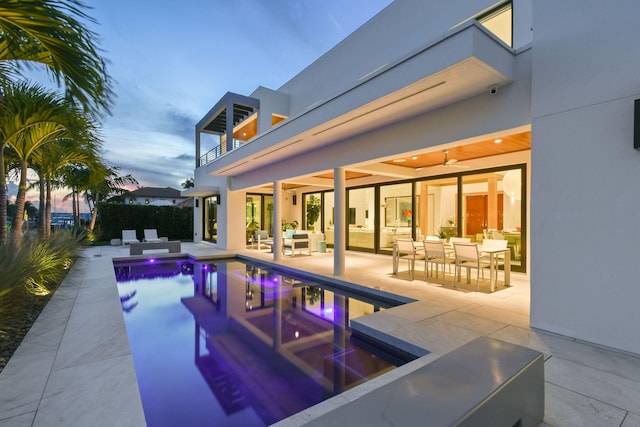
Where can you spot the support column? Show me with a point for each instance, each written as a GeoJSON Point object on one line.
{"type": "Point", "coordinates": [423, 211]}
{"type": "Point", "coordinates": [229, 125]}
{"type": "Point", "coordinates": [492, 204]}
{"type": "Point", "coordinates": [278, 197]}
{"type": "Point", "coordinates": [197, 149]}
{"type": "Point", "coordinates": [340, 221]}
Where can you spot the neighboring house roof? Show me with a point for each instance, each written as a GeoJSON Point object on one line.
{"type": "Point", "coordinates": [186, 203]}
{"type": "Point", "coordinates": [166, 192]}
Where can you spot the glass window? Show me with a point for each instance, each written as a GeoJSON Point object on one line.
{"type": "Point", "coordinates": [500, 22]}
{"type": "Point", "coordinates": [396, 214]}
{"type": "Point", "coordinates": [267, 219]}
{"type": "Point", "coordinates": [312, 211]}
{"type": "Point", "coordinates": [437, 204]}
{"type": "Point", "coordinates": [360, 218]}
{"type": "Point", "coordinates": [210, 219]}
{"type": "Point", "coordinates": [253, 214]}
{"type": "Point", "coordinates": [328, 217]}
{"type": "Point", "coordinates": [492, 209]}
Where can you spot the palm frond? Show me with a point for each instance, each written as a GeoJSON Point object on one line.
{"type": "Point", "coordinates": [52, 33]}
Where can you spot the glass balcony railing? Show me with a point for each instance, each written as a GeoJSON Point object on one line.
{"type": "Point", "coordinates": [218, 151]}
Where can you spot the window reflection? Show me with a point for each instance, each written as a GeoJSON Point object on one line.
{"type": "Point", "coordinates": [492, 209]}
{"type": "Point", "coordinates": [396, 214]}
{"type": "Point", "coordinates": [500, 22]}
{"type": "Point", "coordinates": [361, 218]}
{"type": "Point", "coordinates": [210, 219]}
{"type": "Point", "coordinates": [437, 202]}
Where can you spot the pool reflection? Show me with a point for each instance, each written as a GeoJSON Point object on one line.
{"type": "Point", "coordinates": [269, 343]}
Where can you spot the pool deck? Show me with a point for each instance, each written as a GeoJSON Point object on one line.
{"type": "Point", "coordinates": [74, 367]}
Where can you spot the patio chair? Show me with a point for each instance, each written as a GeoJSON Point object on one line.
{"type": "Point", "coordinates": [261, 238]}
{"type": "Point", "coordinates": [406, 249]}
{"type": "Point", "coordinates": [453, 240]}
{"type": "Point", "coordinates": [151, 235]}
{"type": "Point", "coordinates": [468, 256]}
{"type": "Point", "coordinates": [129, 236]}
{"type": "Point", "coordinates": [435, 255]}
{"type": "Point", "coordinates": [299, 241]}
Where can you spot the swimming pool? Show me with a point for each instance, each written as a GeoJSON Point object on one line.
{"type": "Point", "coordinates": [234, 343]}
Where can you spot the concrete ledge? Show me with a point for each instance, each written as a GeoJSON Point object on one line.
{"type": "Point", "coordinates": [485, 382]}
{"type": "Point", "coordinates": [139, 248]}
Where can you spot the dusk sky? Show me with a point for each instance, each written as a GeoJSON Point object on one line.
{"type": "Point", "coordinates": [172, 61]}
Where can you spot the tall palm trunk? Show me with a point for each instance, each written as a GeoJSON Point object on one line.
{"type": "Point", "coordinates": [78, 222]}
{"type": "Point", "coordinates": [42, 230]}
{"type": "Point", "coordinates": [3, 199]}
{"type": "Point", "coordinates": [48, 210]}
{"type": "Point", "coordinates": [73, 204]}
{"type": "Point", "coordinates": [94, 211]}
{"type": "Point", "coordinates": [16, 231]}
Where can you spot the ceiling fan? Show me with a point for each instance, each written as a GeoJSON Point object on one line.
{"type": "Point", "coordinates": [450, 162]}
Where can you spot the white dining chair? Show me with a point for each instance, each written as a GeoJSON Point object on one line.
{"type": "Point", "coordinates": [436, 255]}
{"type": "Point", "coordinates": [468, 256]}
{"type": "Point", "coordinates": [406, 249]}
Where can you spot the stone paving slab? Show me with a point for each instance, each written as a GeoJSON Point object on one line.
{"type": "Point", "coordinates": [74, 367]}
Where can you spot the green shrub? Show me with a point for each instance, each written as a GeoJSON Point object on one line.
{"type": "Point", "coordinates": [170, 221]}
{"type": "Point", "coordinates": [36, 267]}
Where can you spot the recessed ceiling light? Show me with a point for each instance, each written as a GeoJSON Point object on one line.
{"type": "Point", "coordinates": [399, 160]}
{"type": "Point", "coordinates": [497, 141]}
{"type": "Point", "coordinates": [414, 158]}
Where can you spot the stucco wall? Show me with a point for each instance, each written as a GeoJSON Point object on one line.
{"type": "Point", "coordinates": [402, 27]}
{"type": "Point", "coordinates": [585, 200]}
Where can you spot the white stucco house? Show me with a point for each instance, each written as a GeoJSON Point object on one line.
{"type": "Point", "coordinates": [155, 196]}
{"type": "Point", "coordinates": [461, 117]}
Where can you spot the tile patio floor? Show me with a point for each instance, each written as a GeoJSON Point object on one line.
{"type": "Point", "coordinates": [75, 368]}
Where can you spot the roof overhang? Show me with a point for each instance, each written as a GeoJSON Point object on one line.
{"type": "Point", "coordinates": [200, 191]}
{"type": "Point", "coordinates": [463, 63]}
{"type": "Point", "coordinates": [215, 121]}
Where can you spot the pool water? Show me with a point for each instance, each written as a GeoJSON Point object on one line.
{"type": "Point", "coordinates": [234, 344]}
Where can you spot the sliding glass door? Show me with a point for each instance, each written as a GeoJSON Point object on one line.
{"type": "Point", "coordinates": [490, 203]}
{"type": "Point", "coordinates": [210, 219]}
{"type": "Point", "coordinates": [492, 208]}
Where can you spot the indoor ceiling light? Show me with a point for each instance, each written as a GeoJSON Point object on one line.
{"type": "Point", "coordinates": [414, 158]}
{"type": "Point", "coordinates": [399, 160]}
{"type": "Point", "coordinates": [497, 141]}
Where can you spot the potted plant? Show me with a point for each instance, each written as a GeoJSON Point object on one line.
{"type": "Point", "coordinates": [289, 225]}
{"type": "Point", "coordinates": [313, 212]}
{"type": "Point", "coordinates": [252, 226]}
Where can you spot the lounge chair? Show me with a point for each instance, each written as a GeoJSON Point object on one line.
{"type": "Point", "coordinates": [151, 235]}
{"type": "Point", "coordinates": [129, 236]}
{"type": "Point", "coordinates": [261, 238]}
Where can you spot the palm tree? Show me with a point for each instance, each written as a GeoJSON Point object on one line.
{"type": "Point", "coordinates": [49, 161]}
{"type": "Point", "coordinates": [111, 185]}
{"type": "Point", "coordinates": [32, 118]}
{"type": "Point", "coordinates": [50, 33]}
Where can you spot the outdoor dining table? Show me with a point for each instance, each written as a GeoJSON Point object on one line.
{"type": "Point", "coordinates": [494, 254]}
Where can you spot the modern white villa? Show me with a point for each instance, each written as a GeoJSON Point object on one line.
{"type": "Point", "coordinates": [461, 117]}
